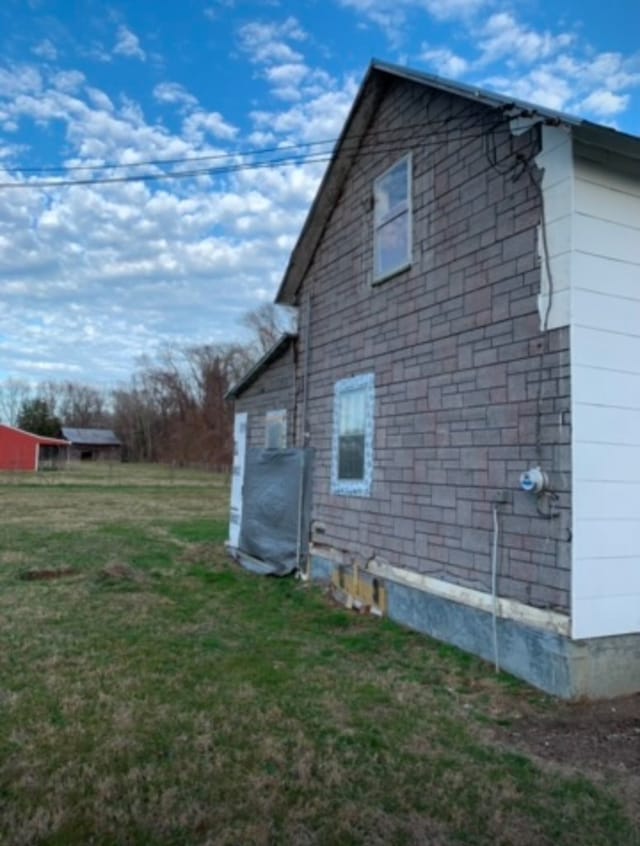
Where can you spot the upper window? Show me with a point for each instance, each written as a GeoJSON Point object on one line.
{"type": "Point", "coordinates": [352, 459]}
{"type": "Point", "coordinates": [392, 220]}
{"type": "Point", "coordinates": [275, 429]}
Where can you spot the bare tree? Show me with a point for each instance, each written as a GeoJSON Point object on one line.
{"type": "Point", "coordinates": [81, 405]}
{"type": "Point", "coordinates": [13, 394]}
{"type": "Point", "coordinates": [174, 410]}
{"type": "Point", "coordinates": [267, 323]}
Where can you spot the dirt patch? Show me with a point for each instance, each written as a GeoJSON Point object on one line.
{"type": "Point", "coordinates": [600, 740]}
{"type": "Point", "coordinates": [116, 571]}
{"type": "Point", "coordinates": [47, 575]}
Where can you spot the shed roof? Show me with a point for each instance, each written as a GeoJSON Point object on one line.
{"type": "Point", "coordinates": [95, 437]}
{"type": "Point", "coordinates": [370, 93]}
{"type": "Point", "coordinates": [43, 440]}
{"type": "Point", "coordinates": [278, 349]}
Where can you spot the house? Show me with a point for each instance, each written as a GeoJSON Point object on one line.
{"type": "Point", "coordinates": [92, 444]}
{"type": "Point", "coordinates": [467, 372]}
{"type": "Point", "coordinates": [270, 487]}
{"type": "Point", "coordinates": [24, 451]}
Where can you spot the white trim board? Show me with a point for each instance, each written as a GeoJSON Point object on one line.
{"type": "Point", "coordinates": [508, 609]}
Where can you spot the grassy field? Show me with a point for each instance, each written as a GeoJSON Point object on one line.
{"type": "Point", "coordinates": [153, 693]}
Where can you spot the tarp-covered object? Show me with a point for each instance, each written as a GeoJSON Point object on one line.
{"type": "Point", "coordinates": [272, 531]}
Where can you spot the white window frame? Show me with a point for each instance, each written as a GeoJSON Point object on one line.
{"type": "Point", "coordinates": [276, 417]}
{"type": "Point", "coordinates": [381, 219]}
{"type": "Point", "coordinates": [353, 487]}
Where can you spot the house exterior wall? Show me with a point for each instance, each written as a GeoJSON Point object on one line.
{"type": "Point", "coordinates": [272, 390]}
{"type": "Point", "coordinates": [605, 374]}
{"type": "Point", "coordinates": [455, 347]}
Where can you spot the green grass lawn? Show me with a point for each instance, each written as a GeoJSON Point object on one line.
{"type": "Point", "coordinates": [157, 694]}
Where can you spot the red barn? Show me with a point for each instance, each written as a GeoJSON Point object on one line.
{"type": "Point", "coordinates": [21, 450]}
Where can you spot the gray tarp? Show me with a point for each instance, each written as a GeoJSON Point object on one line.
{"type": "Point", "coordinates": [273, 481]}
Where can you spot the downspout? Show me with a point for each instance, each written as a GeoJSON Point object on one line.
{"type": "Point", "coordinates": [494, 584]}
{"type": "Point", "coordinates": [304, 437]}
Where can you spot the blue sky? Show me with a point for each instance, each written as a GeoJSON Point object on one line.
{"type": "Point", "coordinates": [94, 276]}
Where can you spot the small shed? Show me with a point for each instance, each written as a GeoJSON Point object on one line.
{"type": "Point", "coordinates": [93, 444]}
{"type": "Point", "coordinates": [23, 451]}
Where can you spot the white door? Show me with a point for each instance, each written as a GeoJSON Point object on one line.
{"type": "Point", "coordinates": [237, 477]}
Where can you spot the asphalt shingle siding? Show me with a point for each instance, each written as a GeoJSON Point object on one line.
{"type": "Point", "coordinates": [272, 390]}
{"type": "Point", "coordinates": [455, 346]}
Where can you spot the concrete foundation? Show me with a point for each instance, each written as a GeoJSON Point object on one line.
{"type": "Point", "coordinates": [597, 668]}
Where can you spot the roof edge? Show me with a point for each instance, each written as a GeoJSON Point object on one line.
{"type": "Point", "coordinates": [39, 438]}
{"type": "Point", "coordinates": [362, 109]}
{"type": "Point", "coordinates": [274, 352]}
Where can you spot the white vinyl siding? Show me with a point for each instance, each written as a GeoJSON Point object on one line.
{"type": "Point", "coordinates": [605, 379]}
{"type": "Point", "coordinates": [392, 235]}
{"type": "Point", "coordinates": [556, 162]}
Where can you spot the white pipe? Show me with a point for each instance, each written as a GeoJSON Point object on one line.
{"type": "Point", "coordinates": [494, 585]}
{"type": "Point", "coordinates": [305, 573]}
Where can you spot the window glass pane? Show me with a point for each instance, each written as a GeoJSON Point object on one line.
{"type": "Point", "coordinates": [351, 457]}
{"type": "Point", "coordinates": [352, 441]}
{"type": "Point", "coordinates": [274, 435]}
{"type": "Point", "coordinates": [275, 425]}
{"type": "Point", "coordinates": [392, 245]}
{"type": "Point", "coordinates": [352, 412]}
{"type": "Point", "coordinates": [390, 191]}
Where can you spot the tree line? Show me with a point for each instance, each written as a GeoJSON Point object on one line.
{"type": "Point", "coordinates": [172, 410]}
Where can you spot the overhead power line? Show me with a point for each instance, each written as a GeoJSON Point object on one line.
{"type": "Point", "coordinates": [223, 169]}
{"type": "Point", "coordinates": [301, 154]}
{"type": "Point", "coordinates": [448, 122]}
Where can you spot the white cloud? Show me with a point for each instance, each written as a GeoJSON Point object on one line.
{"type": "Point", "coordinates": [318, 118]}
{"type": "Point", "coordinates": [604, 103]}
{"type": "Point", "coordinates": [99, 98]}
{"type": "Point", "coordinates": [453, 9]}
{"type": "Point", "coordinates": [445, 62]}
{"type": "Point", "coordinates": [45, 49]}
{"type": "Point", "coordinates": [540, 86]}
{"type": "Point", "coordinates": [128, 44]}
{"type": "Point", "coordinates": [503, 37]}
{"type": "Point", "coordinates": [596, 85]}
{"type": "Point", "coordinates": [392, 16]}
{"type": "Point", "coordinates": [286, 79]}
{"type": "Point", "coordinates": [267, 42]}
{"type": "Point", "coordinates": [200, 124]}
{"type": "Point", "coordinates": [213, 11]}
{"type": "Point", "coordinates": [122, 266]}
{"type": "Point", "coordinates": [19, 79]}
{"type": "Point", "coordinates": [173, 92]}
{"type": "Point", "coordinates": [68, 81]}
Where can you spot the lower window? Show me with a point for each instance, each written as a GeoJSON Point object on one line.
{"type": "Point", "coordinates": [275, 429]}
{"type": "Point", "coordinates": [352, 453]}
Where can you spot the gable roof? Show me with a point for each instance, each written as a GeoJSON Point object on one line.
{"type": "Point", "coordinates": [370, 93]}
{"type": "Point", "coordinates": [43, 440]}
{"type": "Point", "coordinates": [96, 437]}
{"type": "Point", "coordinates": [278, 349]}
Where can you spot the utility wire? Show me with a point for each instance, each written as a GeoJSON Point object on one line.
{"type": "Point", "coordinates": [371, 148]}
{"type": "Point", "coordinates": [256, 151]}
